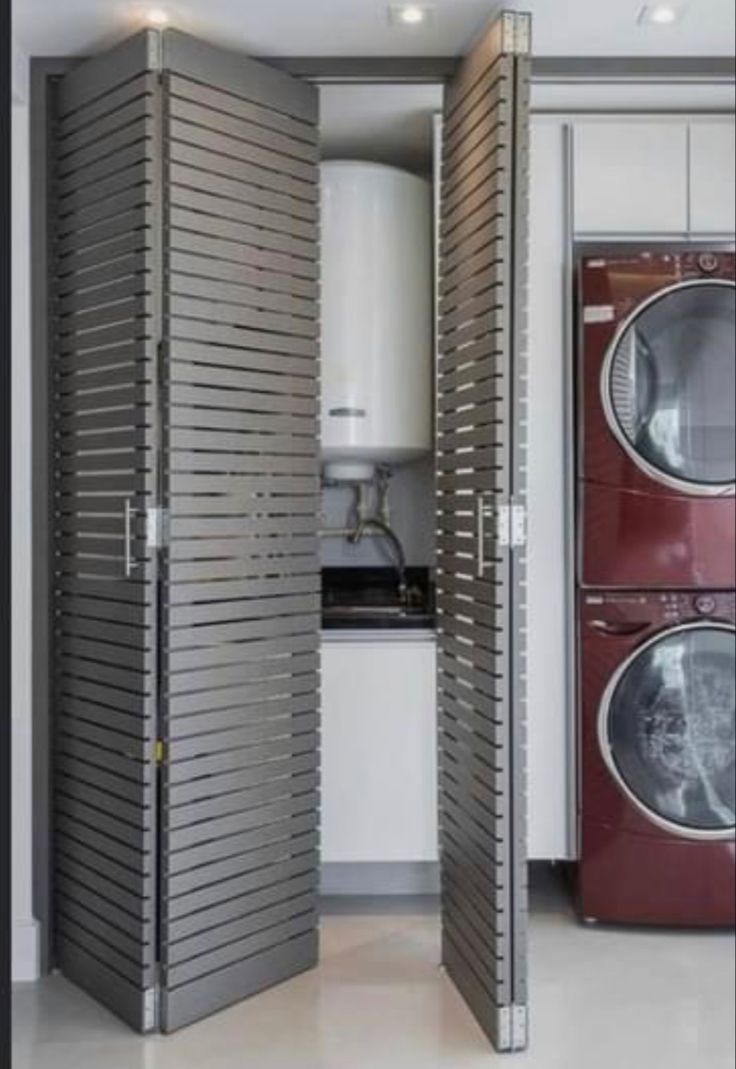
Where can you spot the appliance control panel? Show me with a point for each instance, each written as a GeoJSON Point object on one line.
{"type": "Point", "coordinates": [613, 284]}
{"type": "Point", "coordinates": [657, 608]}
{"type": "Point", "coordinates": [706, 265]}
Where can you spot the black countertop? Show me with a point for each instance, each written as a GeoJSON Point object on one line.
{"type": "Point", "coordinates": [368, 599]}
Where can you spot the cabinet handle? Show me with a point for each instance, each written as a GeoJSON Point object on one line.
{"type": "Point", "coordinates": [128, 538]}
{"type": "Point", "coordinates": [482, 511]}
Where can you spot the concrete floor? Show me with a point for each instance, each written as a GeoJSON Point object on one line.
{"type": "Point", "coordinates": [600, 999]}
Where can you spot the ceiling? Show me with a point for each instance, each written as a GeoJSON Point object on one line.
{"type": "Point", "coordinates": [384, 123]}
{"type": "Point", "coordinates": [361, 27]}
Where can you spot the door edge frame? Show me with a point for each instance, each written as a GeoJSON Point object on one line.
{"type": "Point", "coordinates": [42, 73]}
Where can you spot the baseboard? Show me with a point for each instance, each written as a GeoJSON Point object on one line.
{"type": "Point", "coordinates": [380, 878]}
{"type": "Point", "coordinates": [26, 952]}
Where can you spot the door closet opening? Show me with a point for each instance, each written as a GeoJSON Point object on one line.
{"type": "Point", "coordinates": [379, 826]}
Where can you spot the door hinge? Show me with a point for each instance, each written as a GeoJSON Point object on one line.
{"type": "Point", "coordinates": [518, 525]}
{"type": "Point", "coordinates": [516, 32]}
{"type": "Point", "coordinates": [511, 526]}
{"type": "Point", "coordinates": [513, 1028]}
{"type": "Point", "coordinates": [159, 751]}
{"type": "Point", "coordinates": [157, 528]}
{"type": "Point", "coordinates": [151, 1009]}
{"type": "Point", "coordinates": [519, 1027]}
{"type": "Point", "coordinates": [155, 50]}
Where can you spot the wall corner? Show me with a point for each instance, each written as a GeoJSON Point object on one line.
{"type": "Point", "coordinates": [26, 951]}
{"type": "Point", "coordinates": [20, 73]}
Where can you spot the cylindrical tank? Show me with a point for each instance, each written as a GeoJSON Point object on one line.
{"type": "Point", "coordinates": [376, 318]}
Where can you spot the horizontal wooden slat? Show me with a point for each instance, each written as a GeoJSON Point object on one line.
{"type": "Point", "coordinates": [123, 159]}
{"type": "Point", "coordinates": [242, 127]}
{"type": "Point", "coordinates": [237, 179]}
{"type": "Point", "coordinates": [283, 872]}
{"type": "Point", "coordinates": [198, 276]}
{"type": "Point", "coordinates": [192, 888]}
{"type": "Point", "coordinates": [295, 178]}
{"type": "Point", "coordinates": [245, 107]}
{"type": "Point", "coordinates": [231, 719]}
{"type": "Point", "coordinates": [237, 76]}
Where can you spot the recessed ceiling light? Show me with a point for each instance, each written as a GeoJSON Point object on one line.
{"type": "Point", "coordinates": [410, 14]}
{"type": "Point", "coordinates": [157, 18]}
{"type": "Point", "coordinates": [659, 14]}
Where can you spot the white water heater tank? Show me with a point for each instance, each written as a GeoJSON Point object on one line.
{"type": "Point", "coordinates": [377, 311]}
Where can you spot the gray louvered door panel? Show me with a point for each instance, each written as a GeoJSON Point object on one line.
{"type": "Point", "coordinates": [480, 501]}
{"type": "Point", "coordinates": [104, 324]}
{"type": "Point", "coordinates": [240, 633]}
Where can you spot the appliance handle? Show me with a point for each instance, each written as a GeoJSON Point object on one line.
{"type": "Point", "coordinates": [619, 627]}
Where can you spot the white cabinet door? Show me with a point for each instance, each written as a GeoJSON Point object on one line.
{"type": "Point", "coordinates": [630, 177]}
{"type": "Point", "coordinates": [550, 710]}
{"type": "Point", "coordinates": [713, 177]}
{"type": "Point", "coordinates": [379, 750]}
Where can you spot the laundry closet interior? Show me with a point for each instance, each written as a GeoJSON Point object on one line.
{"type": "Point", "coordinates": [236, 513]}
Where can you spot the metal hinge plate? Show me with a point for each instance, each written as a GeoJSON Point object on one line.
{"type": "Point", "coordinates": [511, 526]}
{"type": "Point", "coordinates": [523, 44]}
{"type": "Point", "coordinates": [157, 528]}
{"type": "Point", "coordinates": [150, 1009]}
{"type": "Point", "coordinates": [513, 1028]}
{"type": "Point", "coordinates": [516, 30]}
{"type": "Point", "coordinates": [519, 1027]}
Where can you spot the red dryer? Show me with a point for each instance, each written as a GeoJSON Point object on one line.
{"type": "Point", "coordinates": [657, 410]}
{"type": "Point", "coordinates": [657, 791]}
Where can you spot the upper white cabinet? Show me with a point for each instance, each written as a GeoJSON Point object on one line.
{"type": "Point", "coordinates": [713, 177]}
{"type": "Point", "coordinates": [654, 176]}
{"type": "Point", "coordinates": [631, 177]}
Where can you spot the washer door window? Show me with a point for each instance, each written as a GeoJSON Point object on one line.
{"type": "Point", "coordinates": [669, 383]}
{"type": "Point", "coordinates": [667, 730]}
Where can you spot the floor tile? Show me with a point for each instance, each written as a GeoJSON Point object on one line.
{"type": "Point", "coordinates": [602, 998]}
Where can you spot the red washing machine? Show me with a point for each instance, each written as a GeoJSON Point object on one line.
{"type": "Point", "coordinates": [658, 772]}
{"type": "Point", "coordinates": [657, 418]}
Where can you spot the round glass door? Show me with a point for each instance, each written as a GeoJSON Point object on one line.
{"type": "Point", "coordinates": [669, 387]}
{"type": "Point", "coordinates": [667, 730]}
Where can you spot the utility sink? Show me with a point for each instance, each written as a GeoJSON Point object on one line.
{"type": "Point", "coordinates": [369, 598]}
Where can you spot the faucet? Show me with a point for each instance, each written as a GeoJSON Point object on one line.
{"type": "Point", "coordinates": [366, 522]}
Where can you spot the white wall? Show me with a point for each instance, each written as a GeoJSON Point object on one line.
{"type": "Point", "coordinates": [550, 706]}
{"type": "Point", "coordinates": [25, 964]}
{"type": "Point", "coordinates": [411, 497]}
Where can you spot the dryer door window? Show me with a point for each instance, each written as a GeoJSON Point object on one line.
{"type": "Point", "coordinates": [669, 386]}
{"type": "Point", "coordinates": [667, 730]}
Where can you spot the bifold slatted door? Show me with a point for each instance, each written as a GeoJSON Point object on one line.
{"type": "Point", "coordinates": [185, 353]}
{"type": "Point", "coordinates": [480, 512]}
{"type": "Point", "coordinates": [186, 580]}
{"type": "Point", "coordinates": [104, 325]}
{"type": "Point", "coordinates": [241, 606]}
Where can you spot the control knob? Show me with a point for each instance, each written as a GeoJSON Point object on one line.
{"type": "Point", "coordinates": [705, 604]}
{"type": "Point", "coordinates": [708, 262]}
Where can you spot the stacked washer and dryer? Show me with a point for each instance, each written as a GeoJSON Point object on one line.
{"type": "Point", "coordinates": [656, 462]}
